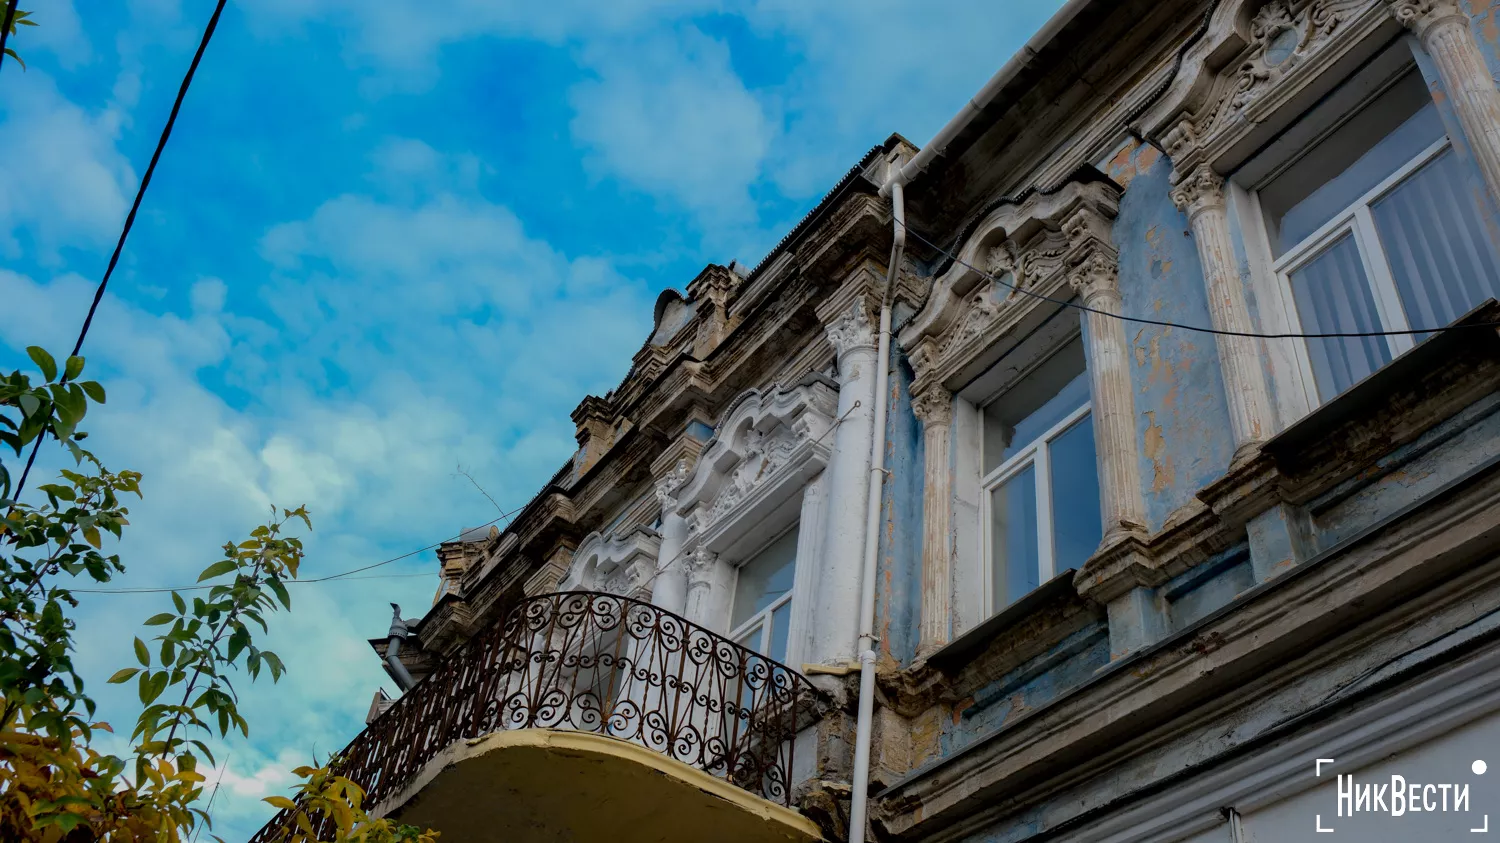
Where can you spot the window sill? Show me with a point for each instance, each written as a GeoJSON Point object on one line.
{"type": "Point", "coordinates": [962, 651]}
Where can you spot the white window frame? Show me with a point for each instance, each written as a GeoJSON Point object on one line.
{"type": "Point", "coordinates": [763, 617]}
{"type": "Point", "coordinates": [1357, 221]}
{"type": "Point", "coordinates": [1037, 453]}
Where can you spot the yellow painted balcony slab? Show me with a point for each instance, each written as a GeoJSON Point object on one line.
{"type": "Point", "coordinates": [546, 786]}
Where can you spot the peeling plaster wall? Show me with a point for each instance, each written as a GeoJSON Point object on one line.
{"type": "Point", "coordinates": [1042, 679]}
{"type": "Point", "coordinates": [1410, 473]}
{"type": "Point", "coordinates": [898, 593]}
{"type": "Point", "coordinates": [1182, 417]}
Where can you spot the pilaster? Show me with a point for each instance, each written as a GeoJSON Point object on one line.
{"type": "Point", "coordinates": [1200, 193]}
{"type": "Point", "coordinates": [1444, 31]}
{"type": "Point", "coordinates": [934, 408]}
{"type": "Point", "coordinates": [1095, 275]}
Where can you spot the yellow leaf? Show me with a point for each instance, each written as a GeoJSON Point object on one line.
{"type": "Point", "coordinates": [281, 802]}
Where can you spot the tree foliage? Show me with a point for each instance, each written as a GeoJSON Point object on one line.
{"type": "Point", "coordinates": [19, 20]}
{"type": "Point", "coordinates": [54, 785]}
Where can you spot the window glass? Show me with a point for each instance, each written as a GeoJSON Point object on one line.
{"type": "Point", "coordinates": [1013, 536]}
{"type": "Point", "coordinates": [1076, 525]}
{"type": "Point", "coordinates": [1030, 408]}
{"type": "Point", "coordinates": [1332, 293]}
{"type": "Point", "coordinates": [764, 578]}
{"type": "Point", "coordinates": [1433, 233]}
{"type": "Point", "coordinates": [1350, 161]}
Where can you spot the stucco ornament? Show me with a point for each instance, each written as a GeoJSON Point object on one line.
{"type": "Point", "coordinates": [1200, 190]}
{"type": "Point", "coordinates": [852, 330]}
{"type": "Point", "coordinates": [666, 489]}
{"type": "Point", "coordinates": [1283, 36]}
{"type": "Point", "coordinates": [764, 436]}
{"type": "Point", "coordinates": [618, 564]}
{"type": "Point", "coordinates": [1097, 273]}
{"type": "Point", "coordinates": [934, 406]}
{"type": "Point", "coordinates": [1420, 15]}
{"type": "Point", "coordinates": [700, 564]}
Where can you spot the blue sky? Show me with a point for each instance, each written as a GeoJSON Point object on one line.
{"type": "Point", "coordinates": [386, 244]}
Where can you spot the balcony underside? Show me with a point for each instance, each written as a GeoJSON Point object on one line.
{"type": "Point", "coordinates": [540, 785]}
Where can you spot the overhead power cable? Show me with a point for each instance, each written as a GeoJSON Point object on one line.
{"type": "Point", "coordinates": [346, 575]}
{"type": "Point", "coordinates": [140, 193]}
{"type": "Point", "coordinates": [1180, 326]}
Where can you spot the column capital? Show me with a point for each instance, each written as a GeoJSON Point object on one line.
{"type": "Point", "coordinates": [1096, 275]}
{"type": "Point", "coordinates": [933, 406]}
{"type": "Point", "coordinates": [700, 565]}
{"type": "Point", "coordinates": [852, 329]}
{"type": "Point", "coordinates": [1198, 191]}
{"type": "Point", "coordinates": [666, 487]}
{"type": "Point", "coordinates": [1420, 16]}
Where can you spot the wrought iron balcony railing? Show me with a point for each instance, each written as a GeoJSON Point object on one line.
{"type": "Point", "coordinates": [595, 663]}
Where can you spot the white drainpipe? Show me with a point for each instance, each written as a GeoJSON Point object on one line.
{"type": "Point", "coordinates": [393, 641]}
{"type": "Point", "coordinates": [866, 648]}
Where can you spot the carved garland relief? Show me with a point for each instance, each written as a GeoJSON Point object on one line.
{"type": "Point", "coordinates": [1283, 35]}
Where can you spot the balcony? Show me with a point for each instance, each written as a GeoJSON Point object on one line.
{"type": "Point", "coordinates": [582, 709]}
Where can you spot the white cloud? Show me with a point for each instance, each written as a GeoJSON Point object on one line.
{"type": "Point", "coordinates": [63, 179]}
{"type": "Point", "coordinates": [424, 332]}
{"type": "Point", "coordinates": [668, 114]}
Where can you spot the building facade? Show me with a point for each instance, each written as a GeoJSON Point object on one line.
{"type": "Point", "coordinates": [1166, 509]}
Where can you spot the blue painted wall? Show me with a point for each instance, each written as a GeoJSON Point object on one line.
{"type": "Point", "coordinates": [899, 588]}
{"type": "Point", "coordinates": [1181, 415]}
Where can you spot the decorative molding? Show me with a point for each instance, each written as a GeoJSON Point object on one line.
{"type": "Point", "coordinates": [853, 329]}
{"type": "Point", "coordinates": [766, 441]}
{"type": "Point", "coordinates": [1199, 191]}
{"type": "Point", "coordinates": [617, 564]}
{"type": "Point", "coordinates": [1420, 16]}
{"type": "Point", "coordinates": [933, 406]}
{"type": "Point", "coordinates": [1034, 246]}
{"type": "Point", "coordinates": [1098, 274]}
{"type": "Point", "coordinates": [701, 564]}
{"type": "Point", "coordinates": [1219, 103]}
{"type": "Point", "coordinates": [666, 488]}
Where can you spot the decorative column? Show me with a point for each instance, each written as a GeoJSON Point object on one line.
{"type": "Point", "coordinates": [836, 624]}
{"type": "Point", "coordinates": [708, 590]}
{"type": "Point", "coordinates": [934, 408]}
{"type": "Point", "coordinates": [670, 589]}
{"type": "Point", "coordinates": [1444, 31]}
{"type": "Point", "coordinates": [1201, 195]}
{"type": "Point", "coordinates": [1121, 574]}
{"type": "Point", "coordinates": [1095, 275]}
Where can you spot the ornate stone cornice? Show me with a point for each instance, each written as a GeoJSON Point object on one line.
{"type": "Point", "coordinates": [933, 406]}
{"type": "Point", "coordinates": [1420, 16]}
{"type": "Point", "coordinates": [852, 329]}
{"type": "Point", "coordinates": [1199, 191]}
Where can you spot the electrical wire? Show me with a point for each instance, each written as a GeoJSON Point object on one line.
{"type": "Point", "coordinates": [346, 575]}
{"type": "Point", "coordinates": [140, 193]}
{"type": "Point", "coordinates": [1182, 327]}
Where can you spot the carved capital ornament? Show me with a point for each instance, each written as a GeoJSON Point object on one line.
{"type": "Point", "coordinates": [853, 329]}
{"type": "Point", "coordinates": [933, 406]}
{"type": "Point", "coordinates": [1201, 190]}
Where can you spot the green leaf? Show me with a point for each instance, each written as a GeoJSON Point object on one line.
{"type": "Point", "coordinates": [158, 620]}
{"type": "Point", "coordinates": [30, 404]}
{"type": "Point", "coordinates": [72, 368]}
{"type": "Point", "coordinates": [157, 685]}
{"type": "Point", "coordinates": [123, 675]}
{"type": "Point", "coordinates": [94, 390]}
{"type": "Point", "coordinates": [219, 568]}
{"type": "Point", "coordinates": [41, 358]}
{"type": "Point", "coordinates": [142, 655]}
{"type": "Point", "coordinates": [276, 586]}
